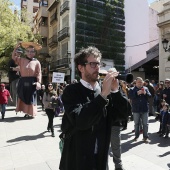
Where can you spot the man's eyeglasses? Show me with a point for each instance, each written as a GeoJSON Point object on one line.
{"type": "Point", "coordinates": [167, 82]}
{"type": "Point", "coordinates": [93, 64]}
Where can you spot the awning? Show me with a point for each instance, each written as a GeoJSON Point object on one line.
{"type": "Point", "coordinates": [150, 61]}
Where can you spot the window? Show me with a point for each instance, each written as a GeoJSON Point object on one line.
{"type": "Point", "coordinates": [65, 21]}
{"type": "Point", "coordinates": [44, 21]}
{"type": "Point", "coordinates": [55, 30]}
{"type": "Point", "coordinates": [64, 49]}
{"type": "Point", "coordinates": [35, 9]}
{"type": "Point", "coordinates": [44, 41]}
{"type": "Point", "coordinates": [43, 3]}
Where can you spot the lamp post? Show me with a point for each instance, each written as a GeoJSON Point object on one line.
{"type": "Point", "coordinates": [165, 45]}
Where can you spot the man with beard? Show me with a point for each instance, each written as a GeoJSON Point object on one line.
{"type": "Point", "coordinates": [86, 123]}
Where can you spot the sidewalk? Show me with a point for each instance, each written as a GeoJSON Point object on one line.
{"type": "Point", "coordinates": [26, 145]}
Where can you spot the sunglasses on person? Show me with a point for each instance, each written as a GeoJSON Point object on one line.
{"type": "Point", "coordinates": [167, 82]}
{"type": "Point", "coordinates": [93, 64]}
{"type": "Point", "coordinates": [50, 85]}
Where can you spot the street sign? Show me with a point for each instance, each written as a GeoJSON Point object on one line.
{"type": "Point", "coordinates": [58, 77]}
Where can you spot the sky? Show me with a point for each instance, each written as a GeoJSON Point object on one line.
{"type": "Point", "coordinates": [16, 4]}
{"type": "Point", "coordinates": [150, 1]}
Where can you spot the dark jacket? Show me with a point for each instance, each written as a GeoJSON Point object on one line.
{"type": "Point", "coordinates": [139, 102]}
{"type": "Point", "coordinates": [165, 116]}
{"type": "Point", "coordinates": [12, 74]}
{"type": "Point", "coordinates": [89, 118]}
{"type": "Point", "coordinates": [151, 89]}
{"type": "Point", "coordinates": [167, 92]}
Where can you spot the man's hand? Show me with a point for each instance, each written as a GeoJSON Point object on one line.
{"type": "Point", "coordinates": [38, 85]}
{"type": "Point", "coordinates": [108, 83]}
{"type": "Point", "coordinates": [18, 44]}
{"type": "Point", "coordinates": [115, 85]}
{"type": "Point", "coordinates": [164, 95]}
{"type": "Point", "coordinates": [142, 91]}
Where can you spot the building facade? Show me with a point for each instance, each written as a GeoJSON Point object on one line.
{"type": "Point", "coordinates": [142, 35]}
{"type": "Point", "coordinates": [158, 5]}
{"type": "Point", "coordinates": [88, 23]}
{"type": "Point", "coordinates": [31, 7]}
{"type": "Point", "coordinates": [164, 33]}
{"type": "Point", "coordinates": [40, 27]}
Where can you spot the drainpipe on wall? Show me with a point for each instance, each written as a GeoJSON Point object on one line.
{"type": "Point", "coordinates": [72, 36]}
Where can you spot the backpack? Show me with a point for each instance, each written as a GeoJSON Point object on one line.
{"type": "Point", "coordinates": [54, 103]}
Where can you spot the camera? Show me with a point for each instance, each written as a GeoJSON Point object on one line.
{"type": "Point", "coordinates": [126, 77]}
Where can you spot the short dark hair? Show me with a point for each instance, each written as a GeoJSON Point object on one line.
{"type": "Point", "coordinates": [147, 81]}
{"type": "Point", "coordinates": [83, 54]}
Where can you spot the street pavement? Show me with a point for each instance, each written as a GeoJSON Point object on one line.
{"type": "Point", "coordinates": [25, 144]}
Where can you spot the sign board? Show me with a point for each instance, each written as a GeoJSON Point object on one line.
{"type": "Point", "coordinates": [58, 77]}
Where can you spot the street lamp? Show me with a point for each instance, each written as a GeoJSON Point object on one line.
{"type": "Point", "coordinates": [165, 45]}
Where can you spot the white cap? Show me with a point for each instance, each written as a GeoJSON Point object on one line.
{"type": "Point", "coordinates": [167, 79]}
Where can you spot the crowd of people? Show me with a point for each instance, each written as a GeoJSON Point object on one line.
{"type": "Point", "coordinates": [94, 113]}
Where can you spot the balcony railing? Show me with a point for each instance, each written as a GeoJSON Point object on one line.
{"type": "Point", "coordinates": [60, 63]}
{"type": "Point", "coordinates": [53, 18]}
{"type": "Point", "coordinates": [52, 41]}
{"type": "Point", "coordinates": [63, 33]}
{"type": "Point", "coordinates": [64, 7]}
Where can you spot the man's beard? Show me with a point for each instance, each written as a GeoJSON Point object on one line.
{"type": "Point", "coordinates": [92, 77]}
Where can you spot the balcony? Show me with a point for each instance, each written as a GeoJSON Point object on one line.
{"type": "Point", "coordinates": [64, 7]}
{"type": "Point", "coordinates": [43, 52]}
{"type": "Point", "coordinates": [64, 62]}
{"type": "Point", "coordinates": [42, 12]}
{"type": "Point", "coordinates": [63, 33]}
{"type": "Point", "coordinates": [43, 30]}
{"type": "Point", "coordinates": [53, 18]}
{"type": "Point", "coordinates": [53, 5]}
{"type": "Point", "coordinates": [52, 41]}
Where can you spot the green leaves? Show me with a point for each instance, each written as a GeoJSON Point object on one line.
{"type": "Point", "coordinates": [12, 30]}
{"type": "Point", "coordinates": [11, 27]}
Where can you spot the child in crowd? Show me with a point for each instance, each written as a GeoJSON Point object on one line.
{"type": "Point", "coordinates": [165, 114]}
{"type": "Point", "coordinates": [4, 95]}
{"type": "Point", "coordinates": [159, 117]}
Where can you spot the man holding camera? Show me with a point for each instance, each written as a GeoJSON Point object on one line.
{"type": "Point", "coordinates": [86, 123]}
{"type": "Point", "coordinates": [139, 98]}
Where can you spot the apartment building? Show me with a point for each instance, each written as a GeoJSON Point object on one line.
{"type": "Point", "coordinates": [141, 39]}
{"type": "Point", "coordinates": [164, 35]}
{"type": "Point", "coordinates": [31, 7]}
{"type": "Point", "coordinates": [40, 27]}
{"type": "Point", "coordinates": [158, 5]}
{"type": "Point", "coordinates": [81, 23]}
{"type": "Point", "coordinates": [59, 37]}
